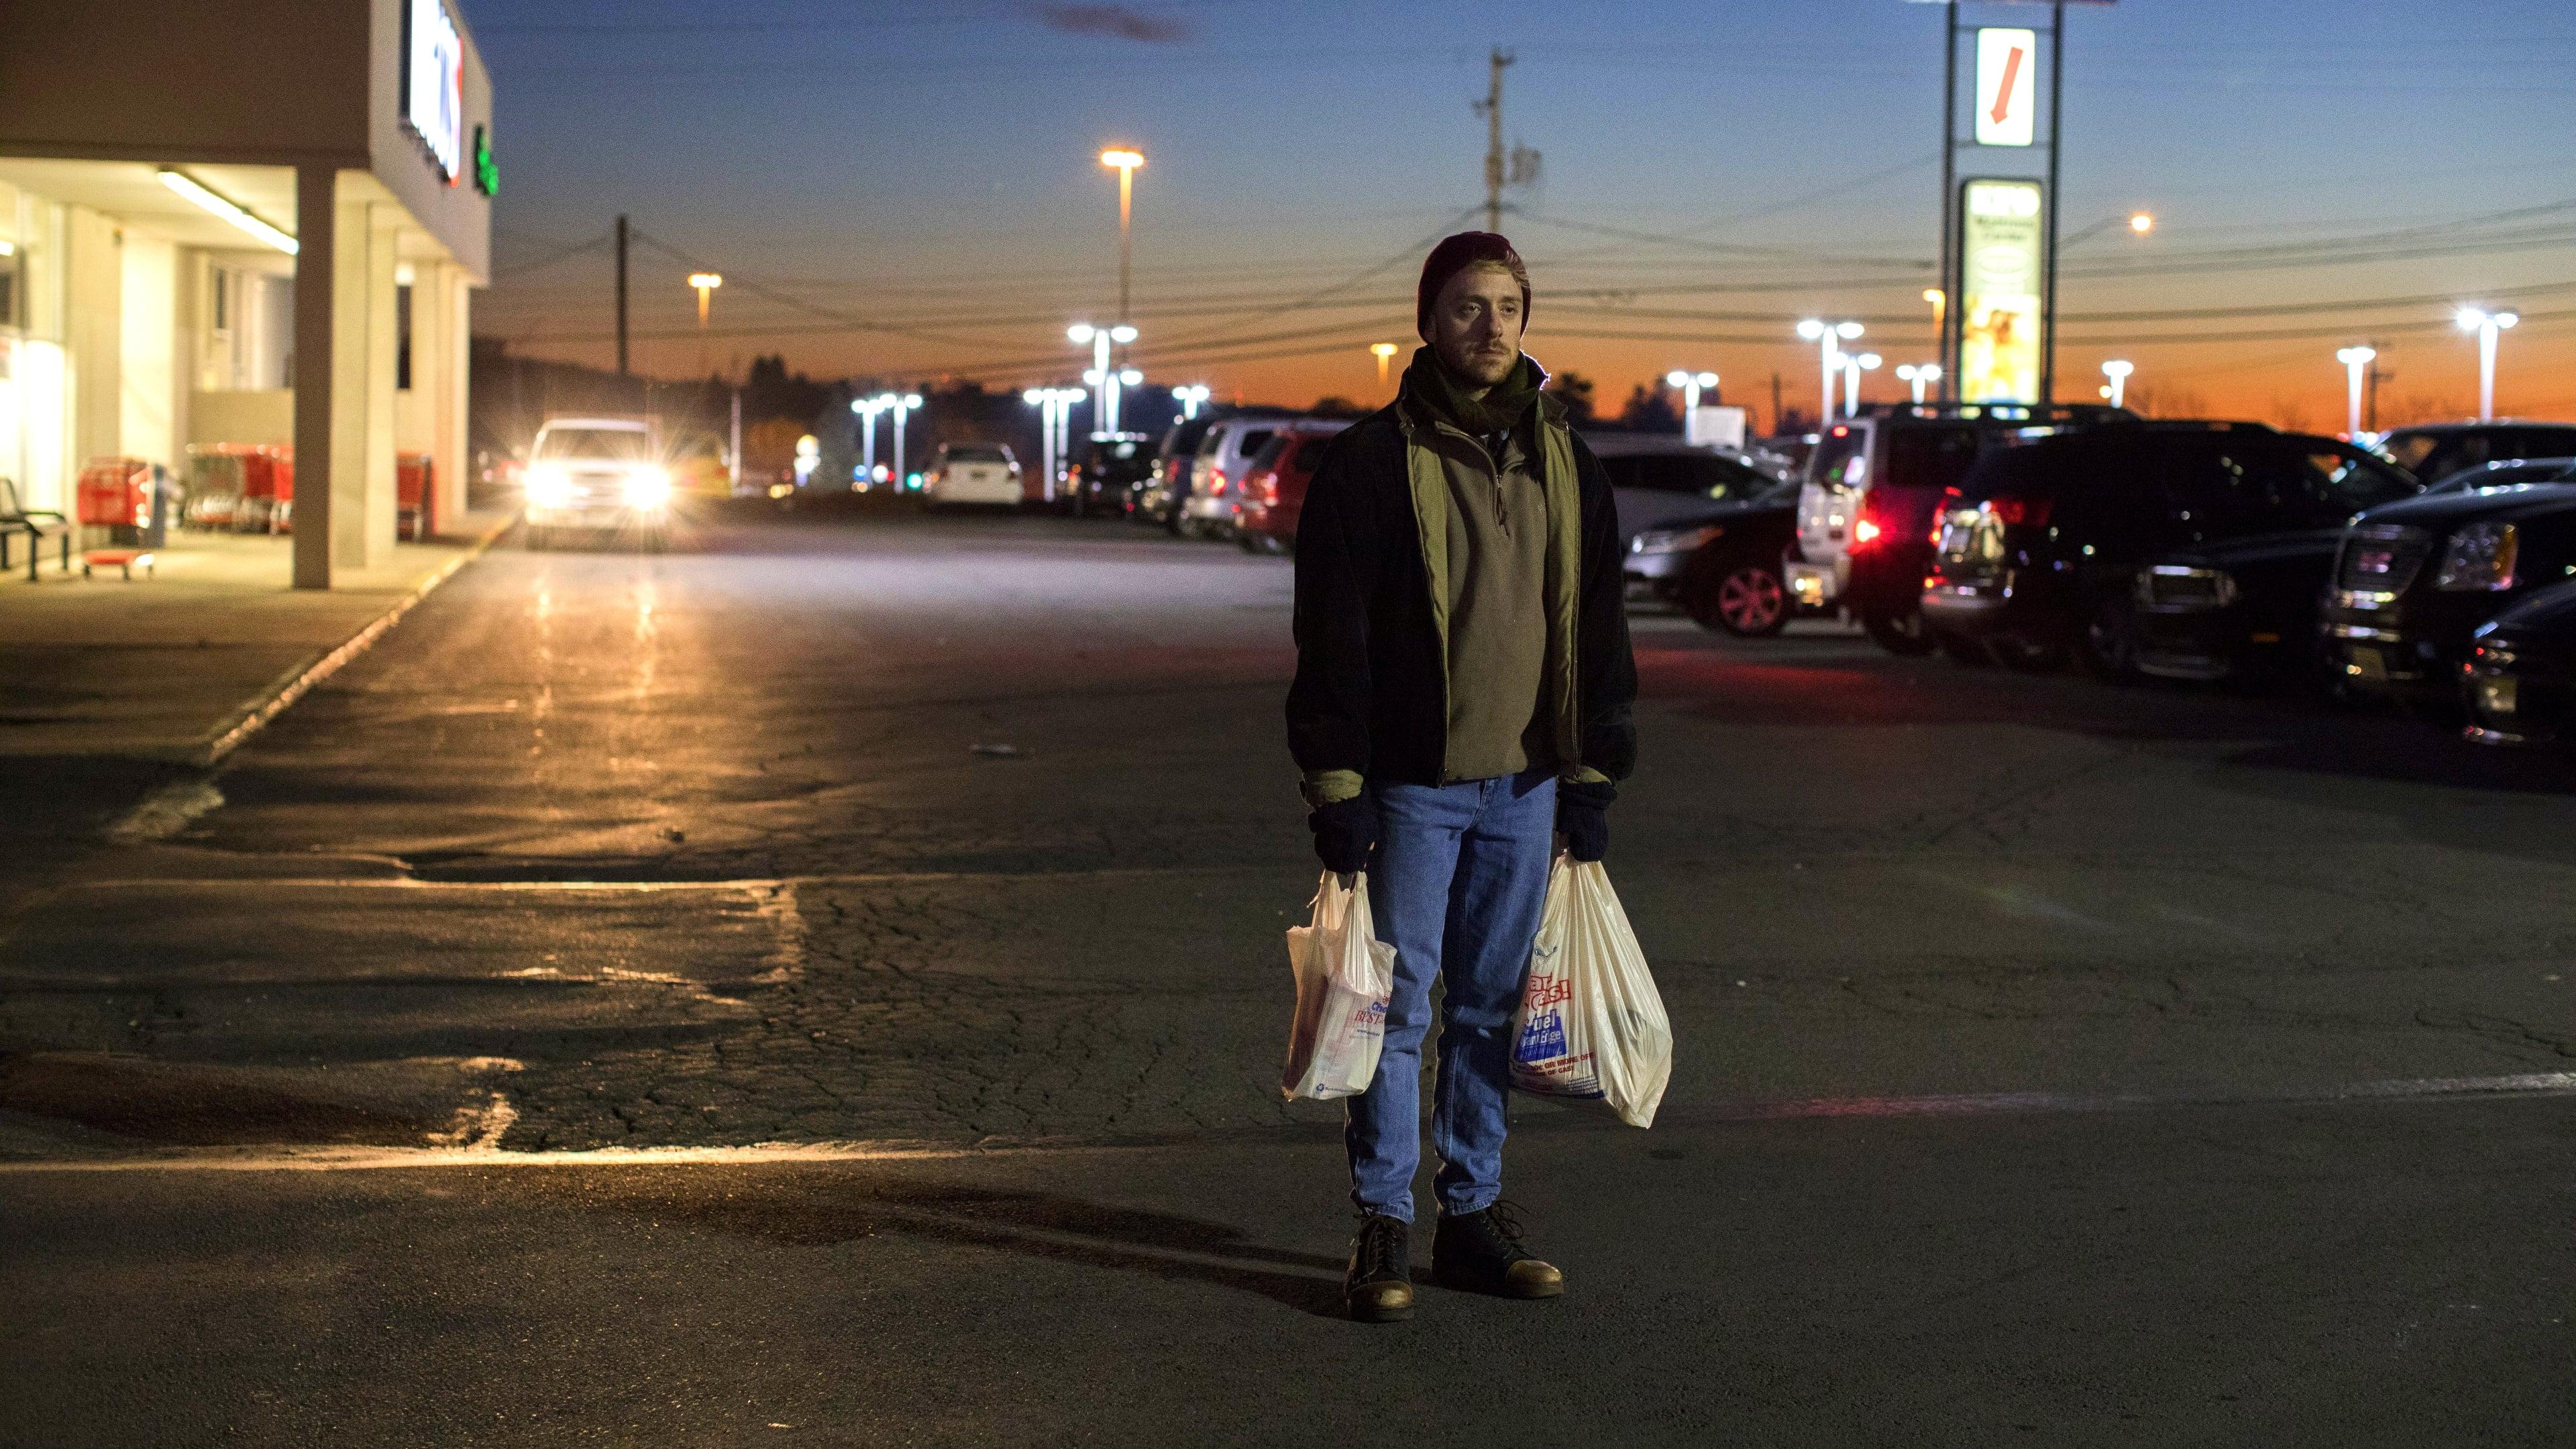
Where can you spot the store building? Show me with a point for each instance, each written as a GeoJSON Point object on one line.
{"type": "Point", "coordinates": [249, 222]}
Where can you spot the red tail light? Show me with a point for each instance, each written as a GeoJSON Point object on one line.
{"type": "Point", "coordinates": [2021, 512]}
{"type": "Point", "coordinates": [1865, 531]}
{"type": "Point", "coordinates": [1216, 481]}
{"type": "Point", "coordinates": [1270, 489]}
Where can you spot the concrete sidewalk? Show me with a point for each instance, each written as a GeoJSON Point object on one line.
{"type": "Point", "coordinates": [175, 667]}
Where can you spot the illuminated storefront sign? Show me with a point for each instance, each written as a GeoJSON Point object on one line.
{"type": "Point", "coordinates": [487, 172]}
{"type": "Point", "coordinates": [2006, 86]}
{"type": "Point", "coordinates": [2000, 308]}
{"type": "Point", "coordinates": [433, 88]}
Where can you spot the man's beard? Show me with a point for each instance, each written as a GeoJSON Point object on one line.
{"type": "Point", "coordinates": [1483, 369]}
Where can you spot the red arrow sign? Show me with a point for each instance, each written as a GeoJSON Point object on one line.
{"type": "Point", "coordinates": [2003, 92]}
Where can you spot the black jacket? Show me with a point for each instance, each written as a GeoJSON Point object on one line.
{"type": "Point", "coordinates": [1369, 698]}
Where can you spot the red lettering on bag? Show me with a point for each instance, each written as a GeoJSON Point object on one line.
{"type": "Point", "coordinates": [1547, 991]}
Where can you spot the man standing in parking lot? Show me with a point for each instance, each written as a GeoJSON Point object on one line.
{"type": "Point", "coordinates": [1462, 696]}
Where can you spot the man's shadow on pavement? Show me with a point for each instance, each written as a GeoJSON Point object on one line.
{"type": "Point", "coordinates": [813, 1207]}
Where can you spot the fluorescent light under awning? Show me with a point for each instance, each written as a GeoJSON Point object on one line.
{"type": "Point", "coordinates": [225, 207]}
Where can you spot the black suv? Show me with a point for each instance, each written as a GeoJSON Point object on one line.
{"type": "Point", "coordinates": [1108, 472]}
{"type": "Point", "coordinates": [2520, 683]}
{"type": "Point", "coordinates": [2435, 452]}
{"type": "Point", "coordinates": [2041, 553]}
{"type": "Point", "coordinates": [2414, 580]}
{"type": "Point", "coordinates": [1872, 489]}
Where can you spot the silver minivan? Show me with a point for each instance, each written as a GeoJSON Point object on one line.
{"type": "Point", "coordinates": [1225, 456]}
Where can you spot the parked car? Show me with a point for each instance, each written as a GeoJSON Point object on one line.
{"type": "Point", "coordinates": [2040, 555]}
{"type": "Point", "coordinates": [1107, 473]}
{"type": "Point", "coordinates": [1225, 455]}
{"type": "Point", "coordinates": [2506, 474]}
{"type": "Point", "coordinates": [1872, 487]}
{"type": "Point", "coordinates": [2413, 581]}
{"type": "Point", "coordinates": [2520, 684]}
{"type": "Point", "coordinates": [1160, 502]}
{"type": "Point", "coordinates": [972, 475]}
{"type": "Point", "coordinates": [1724, 566]}
{"type": "Point", "coordinates": [1274, 492]}
{"type": "Point", "coordinates": [2435, 451]}
{"type": "Point", "coordinates": [1657, 479]}
{"type": "Point", "coordinates": [597, 475]}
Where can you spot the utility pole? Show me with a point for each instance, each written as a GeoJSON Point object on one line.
{"type": "Point", "coordinates": [1775, 404]}
{"type": "Point", "coordinates": [621, 294]}
{"type": "Point", "coordinates": [1491, 107]}
{"type": "Point", "coordinates": [2056, 148]}
{"type": "Point", "coordinates": [2374, 377]}
{"type": "Point", "coordinates": [1944, 349]}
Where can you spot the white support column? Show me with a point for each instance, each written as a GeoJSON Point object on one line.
{"type": "Point", "coordinates": [362, 371]}
{"type": "Point", "coordinates": [317, 286]}
{"type": "Point", "coordinates": [449, 448]}
{"type": "Point", "coordinates": [384, 346]}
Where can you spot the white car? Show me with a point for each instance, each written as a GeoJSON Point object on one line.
{"type": "Point", "coordinates": [597, 474]}
{"type": "Point", "coordinates": [972, 473]}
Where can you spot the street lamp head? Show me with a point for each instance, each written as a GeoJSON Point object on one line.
{"type": "Point", "coordinates": [1034, 396]}
{"type": "Point", "coordinates": [1122, 333]}
{"type": "Point", "coordinates": [1381, 349]}
{"type": "Point", "coordinates": [2116, 368]}
{"type": "Point", "coordinates": [911, 400]}
{"type": "Point", "coordinates": [1706, 380]}
{"type": "Point", "coordinates": [1934, 295]}
{"type": "Point", "coordinates": [1931, 371]}
{"type": "Point", "coordinates": [2507, 319]}
{"type": "Point", "coordinates": [1811, 329]}
{"type": "Point", "coordinates": [2355, 356]}
{"type": "Point", "coordinates": [705, 281]}
{"type": "Point", "coordinates": [1677, 378]}
{"type": "Point", "coordinates": [1868, 361]}
{"type": "Point", "coordinates": [1907, 372]}
{"type": "Point", "coordinates": [1091, 376]}
{"type": "Point", "coordinates": [2142, 222]}
{"type": "Point", "coordinates": [1847, 330]}
{"type": "Point", "coordinates": [1129, 376]}
{"type": "Point", "coordinates": [1079, 332]}
{"type": "Point", "coordinates": [2471, 319]}
{"type": "Point", "coordinates": [1121, 159]}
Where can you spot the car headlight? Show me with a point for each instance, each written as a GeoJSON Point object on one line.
{"type": "Point", "coordinates": [549, 486]}
{"type": "Point", "coordinates": [1675, 540]}
{"type": "Point", "coordinates": [647, 487]}
{"type": "Point", "coordinates": [2479, 556]}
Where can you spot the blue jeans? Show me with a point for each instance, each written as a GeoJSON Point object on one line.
{"type": "Point", "coordinates": [1456, 887]}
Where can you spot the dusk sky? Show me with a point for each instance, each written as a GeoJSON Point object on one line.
{"type": "Point", "coordinates": [2323, 172]}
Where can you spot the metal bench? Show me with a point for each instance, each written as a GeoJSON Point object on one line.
{"type": "Point", "coordinates": [35, 524]}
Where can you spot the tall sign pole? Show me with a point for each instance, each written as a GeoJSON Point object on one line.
{"type": "Point", "coordinates": [621, 295]}
{"type": "Point", "coordinates": [1945, 346]}
{"type": "Point", "coordinates": [2056, 148]}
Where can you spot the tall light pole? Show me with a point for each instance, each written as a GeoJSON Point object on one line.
{"type": "Point", "coordinates": [1190, 398]}
{"type": "Point", "coordinates": [1043, 399]}
{"type": "Point", "coordinates": [1384, 352]}
{"type": "Point", "coordinates": [2486, 324]}
{"type": "Point", "coordinates": [1103, 378]}
{"type": "Point", "coordinates": [2118, 371]}
{"type": "Point", "coordinates": [1829, 336]}
{"type": "Point", "coordinates": [900, 406]}
{"type": "Point", "coordinates": [1854, 364]}
{"type": "Point", "coordinates": [1920, 375]}
{"type": "Point", "coordinates": [1691, 384]}
{"type": "Point", "coordinates": [2354, 359]}
{"type": "Point", "coordinates": [705, 283]}
{"type": "Point", "coordinates": [1124, 161]}
{"type": "Point", "coordinates": [867, 408]}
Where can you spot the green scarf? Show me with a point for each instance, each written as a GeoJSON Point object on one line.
{"type": "Point", "coordinates": [1436, 393]}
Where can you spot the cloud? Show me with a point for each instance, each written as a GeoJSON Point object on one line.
{"type": "Point", "coordinates": [1116, 21]}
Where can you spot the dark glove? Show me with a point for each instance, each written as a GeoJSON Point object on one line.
{"type": "Point", "coordinates": [1583, 817]}
{"type": "Point", "coordinates": [1344, 832]}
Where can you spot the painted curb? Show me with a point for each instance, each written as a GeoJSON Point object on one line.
{"type": "Point", "coordinates": [291, 686]}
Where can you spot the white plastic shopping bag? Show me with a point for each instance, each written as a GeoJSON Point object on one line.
{"type": "Point", "coordinates": [1344, 977]}
{"type": "Point", "coordinates": [1591, 1026]}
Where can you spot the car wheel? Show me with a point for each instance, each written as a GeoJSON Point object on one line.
{"type": "Point", "coordinates": [1961, 650]}
{"type": "Point", "coordinates": [1739, 596]}
{"type": "Point", "coordinates": [1903, 634]}
{"type": "Point", "coordinates": [2110, 646]}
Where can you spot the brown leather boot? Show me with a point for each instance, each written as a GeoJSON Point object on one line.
{"type": "Point", "coordinates": [1481, 1252]}
{"type": "Point", "coordinates": [1379, 1288]}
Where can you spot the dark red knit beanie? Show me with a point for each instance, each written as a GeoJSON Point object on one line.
{"type": "Point", "coordinates": [1456, 254]}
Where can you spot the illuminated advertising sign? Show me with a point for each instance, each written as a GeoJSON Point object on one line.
{"type": "Point", "coordinates": [2006, 86]}
{"type": "Point", "coordinates": [433, 84]}
{"type": "Point", "coordinates": [1999, 302]}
